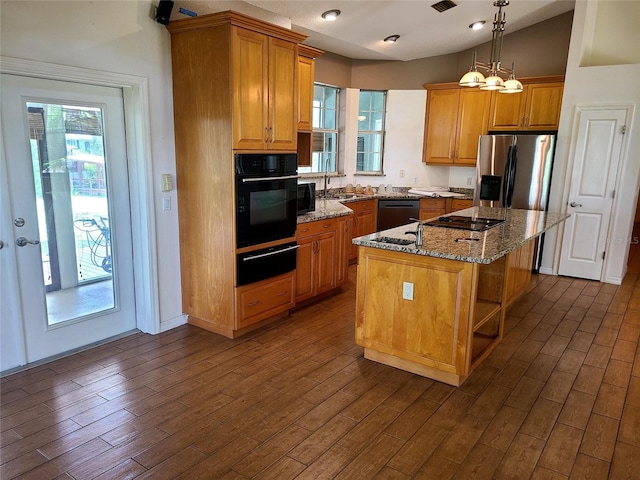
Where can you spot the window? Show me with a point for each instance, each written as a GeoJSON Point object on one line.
{"type": "Point", "coordinates": [371, 115]}
{"type": "Point", "coordinates": [325, 130]}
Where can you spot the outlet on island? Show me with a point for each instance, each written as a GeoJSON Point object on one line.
{"type": "Point", "coordinates": [407, 290]}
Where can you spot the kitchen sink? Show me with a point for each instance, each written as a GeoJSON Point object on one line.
{"type": "Point", "coordinates": [394, 241]}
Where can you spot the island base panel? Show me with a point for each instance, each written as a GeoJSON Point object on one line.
{"type": "Point", "coordinates": [413, 367]}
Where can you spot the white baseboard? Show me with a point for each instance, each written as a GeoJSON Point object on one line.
{"type": "Point", "coordinates": [173, 323]}
{"type": "Point", "coordinates": [546, 271]}
{"type": "Point", "coordinates": [613, 280]}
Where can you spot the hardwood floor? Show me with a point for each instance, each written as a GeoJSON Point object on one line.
{"type": "Point", "coordinates": [559, 398]}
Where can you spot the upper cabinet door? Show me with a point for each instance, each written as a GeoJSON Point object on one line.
{"type": "Point", "coordinates": [440, 128]}
{"type": "Point", "coordinates": [536, 108]}
{"type": "Point", "coordinates": [283, 111]}
{"type": "Point", "coordinates": [264, 92]}
{"type": "Point", "coordinates": [250, 67]}
{"type": "Point", "coordinates": [473, 117]}
{"type": "Point", "coordinates": [506, 111]}
{"type": "Point", "coordinates": [306, 75]}
{"type": "Point", "coordinates": [543, 106]}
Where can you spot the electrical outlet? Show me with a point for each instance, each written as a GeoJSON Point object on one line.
{"type": "Point", "coordinates": [469, 180]}
{"type": "Point", "coordinates": [401, 173]}
{"type": "Point", "coordinates": [415, 179]}
{"type": "Point", "coordinates": [407, 290]}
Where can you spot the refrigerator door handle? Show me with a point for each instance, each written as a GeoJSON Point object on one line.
{"type": "Point", "coordinates": [507, 179]}
{"type": "Point", "coordinates": [513, 153]}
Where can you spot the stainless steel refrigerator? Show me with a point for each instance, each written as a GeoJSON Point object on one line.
{"type": "Point", "coordinates": [514, 171]}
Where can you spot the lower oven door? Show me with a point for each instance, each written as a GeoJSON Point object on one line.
{"type": "Point", "coordinates": [268, 262]}
{"type": "Point", "coordinates": [266, 209]}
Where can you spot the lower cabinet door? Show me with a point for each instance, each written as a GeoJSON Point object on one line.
{"type": "Point", "coordinates": [326, 256]}
{"type": "Point", "coordinates": [264, 299]}
{"type": "Point", "coordinates": [304, 269]}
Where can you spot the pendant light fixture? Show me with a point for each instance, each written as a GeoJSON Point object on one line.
{"type": "Point", "coordinates": [473, 78]}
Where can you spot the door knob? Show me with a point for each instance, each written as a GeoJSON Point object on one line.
{"type": "Point", "coordinates": [1, 244]}
{"type": "Point", "coordinates": [21, 242]}
{"type": "Point", "coordinates": [574, 204]}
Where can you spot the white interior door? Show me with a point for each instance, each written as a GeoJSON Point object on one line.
{"type": "Point", "coordinates": [597, 151]}
{"type": "Point", "coordinates": [65, 151]}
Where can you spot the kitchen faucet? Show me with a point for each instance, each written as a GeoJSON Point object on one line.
{"type": "Point", "coordinates": [418, 233]}
{"type": "Point", "coordinates": [327, 179]}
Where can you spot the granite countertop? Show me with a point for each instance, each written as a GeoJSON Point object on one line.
{"type": "Point", "coordinates": [487, 246]}
{"type": "Point", "coordinates": [349, 198]}
{"type": "Point", "coordinates": [325, 208]}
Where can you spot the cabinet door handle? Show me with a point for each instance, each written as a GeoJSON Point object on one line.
{"type": "Point", "coordinates": [326, 225]}
{"type": "Point", "coordinates": [271, 134]}
{"type": "Point", "coordinates": [253, 304]}
{"type": "Point", "coordinates": [281, 294]}
{"type": "Point", "coordinates": [266, 134]}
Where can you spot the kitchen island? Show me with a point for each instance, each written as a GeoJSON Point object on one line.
{"type": "Point", "coordinates": [438, 309]}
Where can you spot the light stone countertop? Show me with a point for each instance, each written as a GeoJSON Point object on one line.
{"type": "Point", "coordinates": [325, 208]}
{"type": "Point", "coordinates": [521, 226]}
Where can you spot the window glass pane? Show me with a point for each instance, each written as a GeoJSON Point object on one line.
{"type": "Point", "coordinates": [376, 120]}
{"type": "Point", "coordinates": [377, 101]}
{"type": "Point", "coordinates": [370, 131]}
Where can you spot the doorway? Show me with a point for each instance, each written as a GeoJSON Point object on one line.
{"type": "Point", "coordinates": [66, 159]}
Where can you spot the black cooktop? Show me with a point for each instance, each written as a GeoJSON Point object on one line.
{"type": "Point", "coordinates": [475, 224]}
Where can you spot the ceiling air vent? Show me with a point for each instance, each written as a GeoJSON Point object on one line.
{"type": "Point", "coordinates": [443, 5]}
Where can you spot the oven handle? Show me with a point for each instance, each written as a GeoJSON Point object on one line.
{"type": "Point", "coordinates": [266, 179]}
{"type": "Point", "coordinates": [268, 254]}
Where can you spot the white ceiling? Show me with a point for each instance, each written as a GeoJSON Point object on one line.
{"type": "Point", "coordinates": [359, 30]}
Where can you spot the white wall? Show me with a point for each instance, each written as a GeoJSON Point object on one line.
{"type": "Point", "coordinates": [116, 36]}
{"type": "Point", "coordinates": [596, 85]}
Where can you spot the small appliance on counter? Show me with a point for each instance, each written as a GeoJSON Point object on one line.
{"type": "Point", "coordinates": [306, 198]}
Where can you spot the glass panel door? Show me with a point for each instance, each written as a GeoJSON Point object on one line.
{"type": "Point", "coordinates": [67, 167]}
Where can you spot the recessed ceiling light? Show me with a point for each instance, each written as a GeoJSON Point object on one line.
{"type": "Point", "coordinates": [331, 15]}
{"type": "Point", "coordinates": [392, 38]}
{"type": "Point", "coordinates": [477, 25]}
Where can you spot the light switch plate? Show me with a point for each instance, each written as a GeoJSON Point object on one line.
{"type": "Point", "coordinates": [407, 290]}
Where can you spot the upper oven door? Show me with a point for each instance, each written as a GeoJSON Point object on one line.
{"type": "Point", "coordinates": [266, 209]}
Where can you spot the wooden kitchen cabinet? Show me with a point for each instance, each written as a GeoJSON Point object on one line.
{"type": "Point", "coordinates": [318, 263]}
{"type": "Point", "coordinates": [432, 207]}
{"type": "Point", "coordinates": [454, 320]}
{"type": "Point", "coordinates": [304, 82]}
{"type": "Point", "coordinates": [537, 108]}
{"type": "Point", "coordinates": [263, 299]}
{"type": "Point", "coordinates": [344, 242]}
{"type": "Point", "coordinates": [458, 204]}
{"type": "Point", "coordinates": [435, 207]}
{"type": "Point", "coordinates": [233, 79]}
{"type": "Point", "coordinates": [264, 89]}
{"type": "Point", "coordinates": [364, 221]}
{"type": "Point", "coordinates": [455, 117]}
{"type": "Point", "coordinates": [304, 91]}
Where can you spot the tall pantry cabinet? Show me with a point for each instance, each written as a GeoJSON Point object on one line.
{"type": "Point", "coordinates": [234, 89]}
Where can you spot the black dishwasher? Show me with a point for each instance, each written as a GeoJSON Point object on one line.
{"type": "Point", "coordinates": [396, 212]}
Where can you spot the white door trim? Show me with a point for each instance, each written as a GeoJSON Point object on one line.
{"type": "Point", "coordinates": [143, 225]}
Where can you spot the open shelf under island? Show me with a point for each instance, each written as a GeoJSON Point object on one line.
{"type": "Point", "coordinates": [438, 310]}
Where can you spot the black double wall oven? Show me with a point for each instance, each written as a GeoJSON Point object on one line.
{"type": "Point", "coordinates": [266, 210]}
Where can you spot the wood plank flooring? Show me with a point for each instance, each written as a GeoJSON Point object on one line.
{"type": "Point", "coordinates": [558, 399]}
